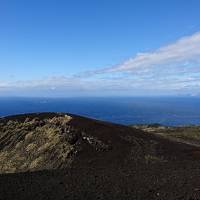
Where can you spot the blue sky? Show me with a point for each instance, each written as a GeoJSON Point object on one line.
{"type": "Point", "coordinates": [99, 47]}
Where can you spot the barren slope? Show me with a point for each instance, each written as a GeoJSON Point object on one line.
{"type": "Point", "coordinates": [63, 156]}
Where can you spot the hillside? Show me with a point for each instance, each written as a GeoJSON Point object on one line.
{"type": "Point", "coordinates": [64, 156]}
{"type": "Point", "coordinates": [185, 134]}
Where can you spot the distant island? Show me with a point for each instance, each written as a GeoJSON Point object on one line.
{"type": "Point", "coordinates": [64, 156]}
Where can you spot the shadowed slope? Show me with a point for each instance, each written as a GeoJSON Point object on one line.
{"type": "Point", "coordinates": [73, 157]}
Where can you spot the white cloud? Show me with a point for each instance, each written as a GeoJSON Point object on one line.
{"type": "Point", "coordinates": [184, 51]}
{"type": "Point", "coordinates": [174, 67]}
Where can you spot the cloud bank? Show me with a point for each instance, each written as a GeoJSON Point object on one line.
{"type": "Point", "coordinates": [184, 51]}
{"type": "Point", "coordinates": [171, 69]}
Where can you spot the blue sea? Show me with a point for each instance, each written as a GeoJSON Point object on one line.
{"type": "Point", "coordinates": [124, 110]}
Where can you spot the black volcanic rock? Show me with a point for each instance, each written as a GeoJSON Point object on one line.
{"type": "Point", "coordinates": [63, 156]}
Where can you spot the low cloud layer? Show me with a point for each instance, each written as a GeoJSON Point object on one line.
{"type": "Point", "coordinates": [171, 69]}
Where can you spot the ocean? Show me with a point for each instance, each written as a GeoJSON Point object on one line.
{"type": "Point", "coordinates": [124, 110]}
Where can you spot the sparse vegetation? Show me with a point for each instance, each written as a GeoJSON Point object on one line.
{"type": "Point", "coordinates": [151, 159]}
{"type": "Point", "coordinates": [37, 144]}
{"type": "Point", "coordinates": [34, 142]}
{"type": "Point", "coordinates": [184, 134]}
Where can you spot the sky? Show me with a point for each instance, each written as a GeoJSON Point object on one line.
{"type": "Point", "coordinates": [63, 48]}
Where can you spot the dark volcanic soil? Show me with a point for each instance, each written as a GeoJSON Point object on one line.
{"type": "Point", "coordinates": [62, 156]}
